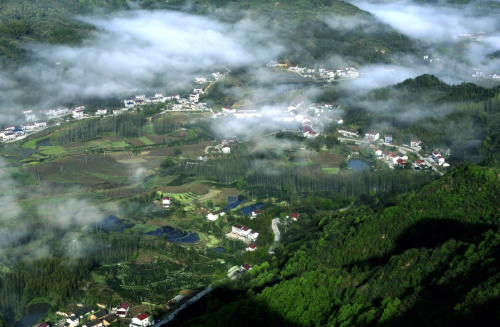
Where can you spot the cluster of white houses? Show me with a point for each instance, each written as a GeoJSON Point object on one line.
{"type": "Point", "coordinates": [179, 103]}
{"type": "Point", "coordinates": [11, 133]}
{"type": "Point", "coordinates": [203, 80]}
{"type": "Point", "coordinates": [245, 232]}
{"type": "Point", "coordinates": [328, 74]}
{"type": "Point", "coordinates": [88, 317]}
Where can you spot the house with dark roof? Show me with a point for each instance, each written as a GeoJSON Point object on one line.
{"type": "Point", "coordinates": [93, 323]}
{"type": "Point", "coordinates": [109, 320]}
{"type": "Point", "coordinates": [99, 314]}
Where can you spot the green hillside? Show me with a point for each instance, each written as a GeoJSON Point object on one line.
{"type": "Point", "coordinates": [430, 258]}
{"type": "Point", "coordinates": [302, 27]}
{"type": "Point", "coordinates": [48, 21]}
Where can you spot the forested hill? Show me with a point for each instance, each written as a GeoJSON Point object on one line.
{"type": "Point", "coordinates": [428, 258]}
{"type": "Point", "coordinates": [50, 21]}
{"type": "Point", "coordinates": [311, 30]}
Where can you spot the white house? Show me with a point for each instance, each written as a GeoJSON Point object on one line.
{"type": "Point", "coordinates": [40, 124]}
{"type": "Point", "coordinates": [123, 310]}
{"type": "Point", "coordinates": [244, 231]}
{"type": "Point", "coordinates": [7, 136]}
{"type": "Point", "coordinates": [215, 216]}
{"type": "Point", "coordinates": [129, 103]}
{"type": "Point", "coordinates": [194, 97]}
{"type": "Point", "coordinates": [165, 202]}
{"type": "Point", "coordinates": [252, 247]}
{"type": "Point", "coordinates": [236, 229]}
{"type": "Point", "coordinates": [141, 320]}
{"type": "Point", "coordinates": [388, 138]}
{"type": "Point", "coordinates": [30, 117]}
{"type": "Point", "coordinates": [346, 132]}
{"type": "Point", "coordinates": [378, 152]}
{"type": "Point", "coordinates": [416, 144]}
{"type": "Point", "coordinates": [216, 75]}
{"type": "Point", "coordinates": [73, 321]}
{"type": "Point", "coordinates": [371, 136]}
{"type": "Point", "coordinates": [177, 106]}
{"type": "Point", "coordinates": [101, 112]}
{"type": "Point", "coordinates": [18, 132]}
{"type": "Point", "coordinates": [252, 235]}
{"type": "Point", "coordinates": [226, 149]}
{"type": "Point", "coordinates": [198, 90]}
{"type": "Point", "coordinates": [77, 113]}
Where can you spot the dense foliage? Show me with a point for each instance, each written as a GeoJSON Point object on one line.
{"type": "Point", "coordinates": [45, 21]}
{"type": "Point", "coordinates": [430, 259]}
{"type": "Point", "coordinates": [123, 125]}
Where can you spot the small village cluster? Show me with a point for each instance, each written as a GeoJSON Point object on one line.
{"type": "Point", "coordinates": [330, 75]}
{"type": "Point", "coordinates": [178, 102]}
{"type": "Point", "coordinates": [78, 315]}
{"type": "Point", "coordinates": [11, 133]}
{"type": "Point", "coordinates": [296, 112]}
{"type": "Point", "coordinates": [245, 232]}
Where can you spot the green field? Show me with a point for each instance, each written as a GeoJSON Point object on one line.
{"type": "Point", "coordinates": [331, 171]}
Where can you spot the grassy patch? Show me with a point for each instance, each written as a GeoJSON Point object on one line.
{"type": "Point", "coordinates": [119, 144]}
{"type": "Point", "coordinates": [52, 150]}
{"type": "Point", "coordinates": [331, 171]}
{"type": "Point", "coordinates": [307, 163]}
{"type": "Point", "coordinates": [143, 228]}
{"type": "Point", "coordinates": [31, 143]}
{"type": "Point", "coordinates": [147, 129]}
{"type": "Point", "coordinates": [145, 140]}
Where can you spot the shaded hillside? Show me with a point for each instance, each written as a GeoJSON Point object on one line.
{"type": "Point", "coordinates": [53, 21]}
{"type": "Point", "coordinates": [310, 30]}
{"type": "Point", "coordinates": [433, 258]}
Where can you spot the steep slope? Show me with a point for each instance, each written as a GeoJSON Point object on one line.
{"type": "Point", "coordinates": [433, 258]}
{"type": "Point", "coordinates": [310, 30]}
{"type": "Point", "coordinates": [45, 21]}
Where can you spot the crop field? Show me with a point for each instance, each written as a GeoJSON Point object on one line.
{"type": "Point", "coordinates": [158, 281]}
{"type": "Point", "coordinates": [52, 150]}
{"type": "Point", "coordinates": [196, 188]}
{"type": "Point", "coordinates": [331, 171]}
{"type": "Point", "coordinates": [89, 169]}
{"type": "Point", "coordinates": [136, 142]}
{"type": "Point", "coordinates": [327, 160]}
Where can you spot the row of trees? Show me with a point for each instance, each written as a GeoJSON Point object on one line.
{"type": "Point", "coordinates": [123, 125]}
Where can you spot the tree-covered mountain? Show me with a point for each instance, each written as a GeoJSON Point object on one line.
{"type": "Point", "coordinates": [46, 21]}
{"type": "Point", "coordinates": [310, 30]}
{"type": "Point", "coordinates": [426, 258]}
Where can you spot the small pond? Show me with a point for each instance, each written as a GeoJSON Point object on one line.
{"type": "Point", "coordinates": [112, 223]}
{"type": "Point", "coordinates": [248, 210]}
{"type": "Point", "coordinates": [233, 202]}
{"type": "Point", "coordinates": [35, 313]}
{"type": "Point", "coordinates": [220, 250]}
{"type": "Point", "coordinates": [175, 235]}
{"type": "Point", "coordinates": [358, 165]}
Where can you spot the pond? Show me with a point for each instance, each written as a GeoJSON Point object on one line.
{"type": "Point", "coordinates": [112, 223]}
{"type": "Point", "coordinates": [358, 165]}
{"type": "Point", "coordinates": [35, 313]}
{"type": "Point", "coordinates": [175, 235]}
{"type": "Point", "coordinates": [220, 250]}
{"type": "Point", "coordinates": [248, 210]}
{"type": "Point", "coordinates": [233, 202]}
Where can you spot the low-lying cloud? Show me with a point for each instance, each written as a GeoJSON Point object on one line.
{"type": "Point", "coordinates": [143, 50]}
